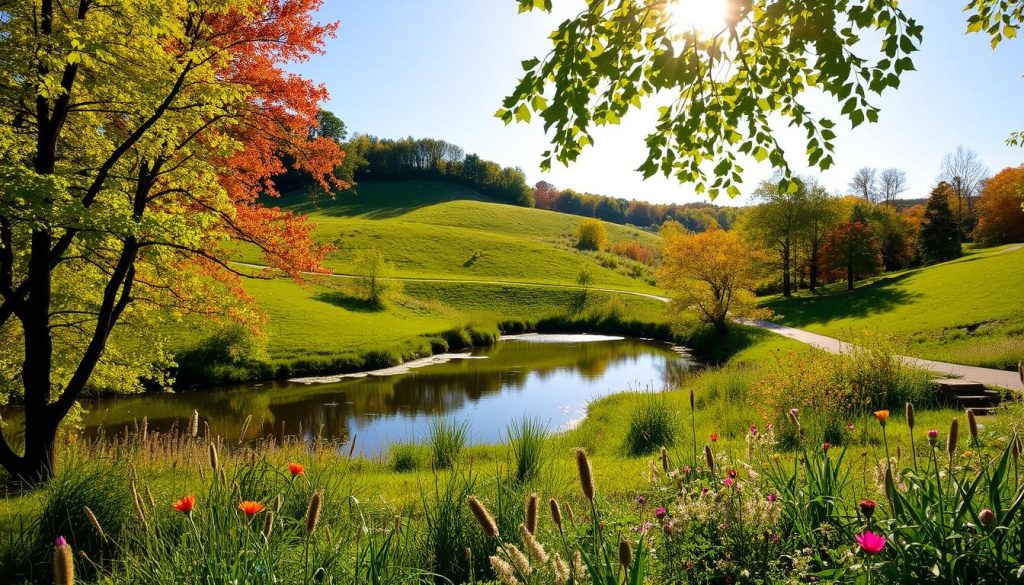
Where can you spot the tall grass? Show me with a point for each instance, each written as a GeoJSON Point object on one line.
{"type": "Point", "coordinates": [403, 457]}
{"type": "Point", "coordinates": [446, 440]}
{"type": "Point", "coordinates": [527, 438]}
{"type": "Point", "coordinates": [652, 425]}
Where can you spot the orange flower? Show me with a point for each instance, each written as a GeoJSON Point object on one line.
{"type": "Point", "coordinates": [296, 469]}
{"type": "Point", "coordinates": [882, 416]}
{"type": "Point", "coordinates": [185, 505]}
{"type": "Point", "coordinates": [251, 508]}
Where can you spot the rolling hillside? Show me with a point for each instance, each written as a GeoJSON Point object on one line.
{"type": "Point", "coordinates": [968, 311]}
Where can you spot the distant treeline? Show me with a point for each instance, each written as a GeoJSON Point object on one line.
{"type": "Point", "coordinates": [427, 158]}
{"type": "Point", "coordinates": [695, 216]}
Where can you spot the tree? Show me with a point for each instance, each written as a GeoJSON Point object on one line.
{"type": "Point", "coordinates": [853, 249]}
{"type": "Point", "coordinates": [865, 184]}
{"type": "Point", "coordinates": [591, 234]}
{"type": "Point", "coordinates": [132, 157]}
{"type": "Point", "coordinates": [372, 271]}
{"type": "Point", "coordinates": [938, 239]}
{"type": "Point", "coordinates": [891, 183]}
{"type": "Point", "coordinates": [895, 234]}
{"type": "Point", "coordinates": [776, 223]}
{"type": "Point", "coordinates": [1000, 215]}
{"type": "Point", "coordinates": [713, 273]}
{"type": "Point", "coordinates": [821, 215]}
{"type": "Point", "coordinates": [544, 195]}
{"type": "Point", "coordinates": [965, 174]}
{"type": "Point", "coordinates": [729, 89]}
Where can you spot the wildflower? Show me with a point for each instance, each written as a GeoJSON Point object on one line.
{"type": "Point", "coordinates": [826, 446]}
{"type": "Point", "coordinates": [968, 454]}
{"type": "Point", "coordinates": [773, 538]}
{"type": "Point", "coordinates": [713, 437]}
{"type": "Point", "coordinates": [733, 473]}
{"type": "Point", "coordinates": [772, 498]}
{"type": "Point", "coordinates": [645, 527]}
{"type": "Point", "coordinates": [868, 508]}
{"type": "Point", "coordinates": [933, 436]}
{"type": "Point", "coordinates": [728, 482]}
{"type": "Point", "coordinates": [987, 517]}
{"type": "Point", "coordinates": [687, 470]}
{"type": "Point", "coordinates": [561, 570]}
{"type": "Point", "coordinates": [251, 508]}
{"type": "Point", "coordinates": [660, 513]}
{"type": "Point", "coordinates": [871, 543]}
{"type": "Point", "coordinates": [753, 430]}
{"type": "Point", "coordinates": [505, 572]}
{"type": "Point", "coordinates": [640, 500]}
{"type": "Point", "coordinates": [849, 426]}
{"type": "Point", "coordinates": [586, 475]}
{"type": "Point", "coordinates": [185, 505]}
{"type": "Point", "coordinates": [483, 517]}
{"type": "Point", "coordinates": [63, 562]}
{"type": "Point", "coordinates": [535, 548]}
{"type": "Point", "coordinates": [776, 457]}
{"type": "Point", "coordinates": [313, 512]}
{"type": "Point", "coordinates": [519, 559]}
{"type": "Point", "coordinates": [296, 469]}
{"type": "Point", "coordinates": [882, 416]}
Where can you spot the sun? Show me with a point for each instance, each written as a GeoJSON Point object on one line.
{"type": "Point", "coordinates": [705, 17]}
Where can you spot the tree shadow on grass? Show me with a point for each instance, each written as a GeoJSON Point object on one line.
{"type": "Point", "coordinates": [349, 302]}
{"type": "Point", "coordinates": [878, 297]}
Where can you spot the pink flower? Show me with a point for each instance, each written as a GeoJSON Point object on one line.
{"type": "Point", "coordinates": [727, 482]}
{"type": "Point", "coordinates": [772, 498]}
{"type": "Point", "coordinates": [645, 527]}
{"type": "Point", "coordinates": [61, 541]}
{"type": "Point", "coordinates": [660, 513]}
{"type": "Point", "coordinates": [870, 542]}
{"type": "Point", "coordinates": [753, 430]}
{"type": "Point", "coordinates": [849, 426]}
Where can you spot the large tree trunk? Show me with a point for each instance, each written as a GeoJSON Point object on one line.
{"type": "Point", "coordinates": [787, 286]}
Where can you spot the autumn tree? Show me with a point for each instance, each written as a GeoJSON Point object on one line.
{"type": "Point", "coordinates": [864, 184]}
{"type": "Point", "coordinates": [965, 174]}
{"type": "Point", "coordinates": [820, 215]}
{"type": "Point", "coordinates": [891, 182]}
{"type": "Point", "coordinates": [591, 234]}
{"type": "Point", "coordinates": [939, 238]}
{"type": "Point", "coordinates": [776, 223]}
{"type": "Point", "coordinates": [712, 273]}
{"type": "Point", "coordinates": [1000, 212]}
{"type": "Point", "coordinates": [136, 139]}
{"type": "Point", "coordinates": [852, 249]}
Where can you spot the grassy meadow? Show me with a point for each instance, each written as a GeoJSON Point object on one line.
{"type": "Point", "coordinates": [968, 311]}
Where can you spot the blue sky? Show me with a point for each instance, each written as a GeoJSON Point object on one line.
{"type": "Point", "coordinates": [440, 68]}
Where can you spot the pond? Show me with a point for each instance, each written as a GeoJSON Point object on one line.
{"type": "Point", "coordinates": [550, 377]}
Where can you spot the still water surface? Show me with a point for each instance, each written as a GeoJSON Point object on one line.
{"type": "Point", "coordinates": [548, 377]}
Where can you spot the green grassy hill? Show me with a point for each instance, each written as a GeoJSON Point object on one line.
{"type": "Point", "coordinates": [432, 229]}
{"type": "Point", "coordinates": [968, 311]}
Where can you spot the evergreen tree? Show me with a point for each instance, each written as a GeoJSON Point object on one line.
{"type": "Point", "coordinates": [938, 239]}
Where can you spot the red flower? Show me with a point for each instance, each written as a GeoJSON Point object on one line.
{"type": "Point", "coordinates": [867, 507]}
{"type": "Point", "coordinates": [296, 469]}
{"type": "Point", "coordinates": [185, 505]}
{"type": "Point", "coordinates": [251, 508]}
{"type": "Point", "coordinates": [826, 446]}
{"type": "Point", "coordinates": [714, 437]}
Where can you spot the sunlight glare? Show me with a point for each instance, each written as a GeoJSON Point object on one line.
{"type": "Point", "coordinates": [705, 17]}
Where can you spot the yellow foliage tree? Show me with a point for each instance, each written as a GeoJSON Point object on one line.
{"type": "Point", "coordinates": [591, 235]}
{"type": "Point", "coordinates": [713, 274]}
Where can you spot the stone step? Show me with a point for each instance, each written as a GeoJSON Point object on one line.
{"type": "Point", "coordinates": [985, 411]}
{"type": "Point", "coordinates": [958, 386]}
{"type": "Point", "coordinates": [980, 401]}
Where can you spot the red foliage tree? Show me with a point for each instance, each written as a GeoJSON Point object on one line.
{"type": "Point", "coordinates": [1001, 208]}
{"type": "Point", "coordinates": [851, 250]}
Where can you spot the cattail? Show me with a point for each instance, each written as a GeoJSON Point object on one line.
{"type": "Point", "coordinates": [268, 524]}
{"type": "Point", "coordinates": [910, 415]}
{"type": "Point", "coordinates": [972, 425]}
{"type": "Point", "coordinates": [505, 572]}
{"type": "Point", "coordinates": [890, 484]}
{"type": "Point", "coordinates": [954, 435]}
{"type": "Point", "coordinates": [586, 475]}
{"type": "Point", "coordinates": [94, 521]}
{"type": "Point", "coordinates": [193, 424]}
{"type": "Point", "coordinates": [710, 458]}
{"type": "Point", "coordinates": [531, 514]}
{"type": "Point", "coordinates": [556, 512]}
{"type": "Point", "coordinates": [214, 460]}
{"type": "Point", "coordinates": [313, 513]}
{"type": "Point", "coordinates": [664, 459]}
{"type": "Point", "coordinates": [691, 400]}
{"type": "Point", "coordinates": [535, 548]}
{"type": "Point", "coordinates": [483, 517]}
{"type": "Point", "coordinates": [578, 567]}
{"type": "Point", "coordinates": [625, 555]}
{"type": "Point", "coordinates": [63, 563]}
{"type": "Point", "coordinates": [561, 570]}
{"type": "Point", "coordinates": [572, 515]}
{"type": "Point", "coordinates": [352, 447]}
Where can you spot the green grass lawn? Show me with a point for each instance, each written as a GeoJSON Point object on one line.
{"type": "Point", "coordinates": [440, 230]}
{"type": "Point", "coordinates": [968, 311]}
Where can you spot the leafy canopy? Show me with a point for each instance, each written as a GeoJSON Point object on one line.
{"type": "Point", "coordinates": [722, 93]}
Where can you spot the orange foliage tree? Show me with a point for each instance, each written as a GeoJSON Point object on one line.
{"type": "Point", "coordinates": [712, 273]}
{"type": "Point", "coordinates": [1000, 211]}
{"type": "Point", "coordinates": [136, 140]}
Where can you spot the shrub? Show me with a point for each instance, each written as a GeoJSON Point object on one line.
{"type": "Point", "coordinates": [651, 426]}
{"type": "Point", "coordinates": [446, 440]}
{"type": "Point", "coordinates": [591, 234]}
{"type": "Point", "coordinates": [634, 251]}
{"type": "Point", "coordinates": [404, 457]}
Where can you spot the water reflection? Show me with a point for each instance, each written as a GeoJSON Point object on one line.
{"type": "Point", "coordinates": [553, 381]}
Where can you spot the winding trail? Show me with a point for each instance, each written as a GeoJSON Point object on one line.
{"type": "Point", "coordinates": [986, 376]}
